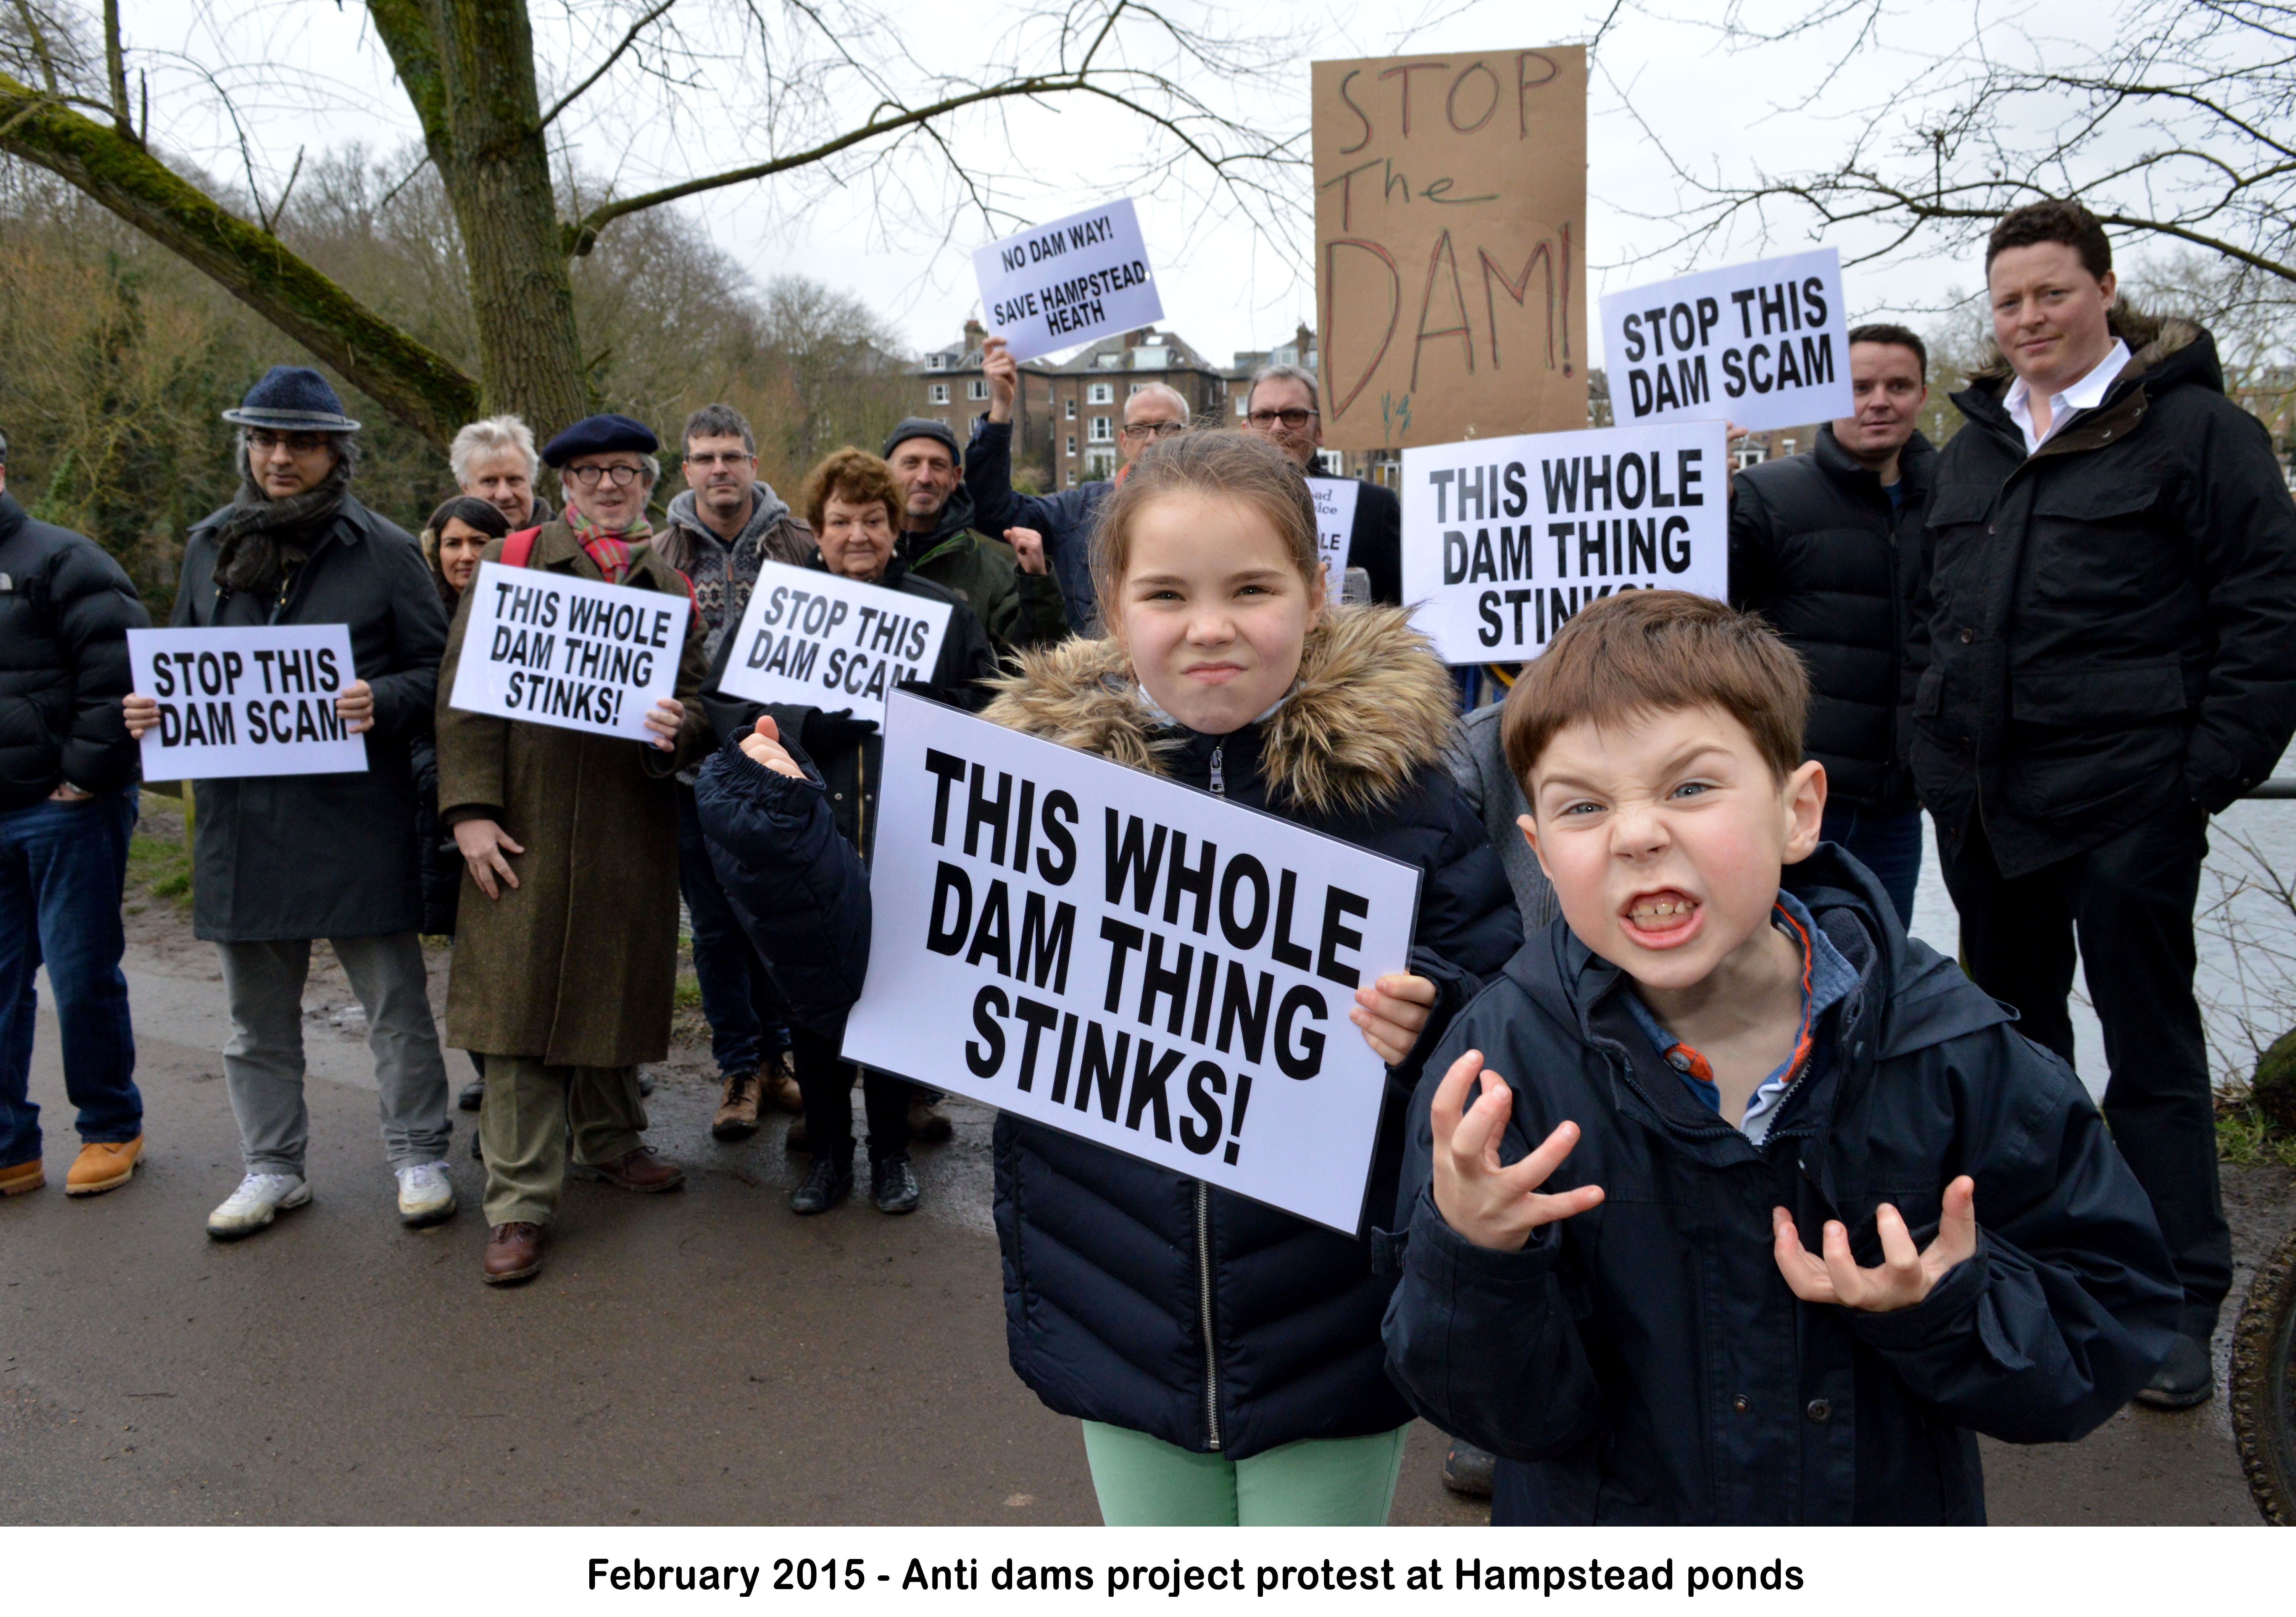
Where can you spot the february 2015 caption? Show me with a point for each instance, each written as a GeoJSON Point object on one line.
{"type": "Point", "coordinates": [1177, 1577]}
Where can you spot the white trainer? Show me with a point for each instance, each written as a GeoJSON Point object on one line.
{"type": "Point", "coordinates": [426, 1194]}
{"type": "Point", "coordinates": [259, 1198]}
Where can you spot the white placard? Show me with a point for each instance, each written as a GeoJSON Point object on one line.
{"type": "Point", "coordinates": [818, 640]}
{"type": "Point", "coordinates": [235, 702]}
{"type": "Point", "coordinates": [1335, 524]}
{"type": "Point", "coordinates": [1061, 284]}
{"type": "Point", "coordinates": [1761, 345]}
{"type": "Point", "coordinates": [1505, 538]}
{"type": "Point", "coordinates": [553, 650]}
{"type": "Point", "coordinates": [1129, 960]}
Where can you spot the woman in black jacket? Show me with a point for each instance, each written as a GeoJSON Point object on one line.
{"type": "Point", "coordinates": [452, 539]}
{"type": "Point", "coordinates": [1224, 1357]}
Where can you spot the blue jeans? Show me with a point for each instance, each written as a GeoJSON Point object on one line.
{"type": "Point", "coordinates": [64, 870]}
{"type": "Point", "coordinates": [1890, 845]}
{"type": "Point", "coordinates": [738, 1035]}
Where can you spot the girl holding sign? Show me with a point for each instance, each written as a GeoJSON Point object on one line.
{"type": "Point", "coordinates": [1223, 1358]}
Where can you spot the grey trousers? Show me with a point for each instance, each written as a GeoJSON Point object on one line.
{"type": "Point", "coordinates": [263, 1064]}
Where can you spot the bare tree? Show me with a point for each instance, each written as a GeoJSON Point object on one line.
{"type": "Point", "coordinates": [820, 90]}
{"type": "Point", "coordinates": [2170, 118]}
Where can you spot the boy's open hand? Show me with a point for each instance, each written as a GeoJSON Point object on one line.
{"type": "Point", "coordinates": [1904, 1277]}
{"type": "Point", "coordinates": [763, 745]}
{"type": "Point", "coordinates": [1489, 1204]}
{"type": "Point", "coordinates": [1392, 1012]}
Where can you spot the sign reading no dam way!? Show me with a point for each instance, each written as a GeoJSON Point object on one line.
{"type": "Point", "coordinates": [1127, 960]}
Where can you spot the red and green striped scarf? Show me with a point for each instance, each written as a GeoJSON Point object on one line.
{"type": "Point", "coordinates": [609, 551]}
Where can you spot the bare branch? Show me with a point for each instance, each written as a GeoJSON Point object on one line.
{"type": "Point", "coordinates": [612, 56]}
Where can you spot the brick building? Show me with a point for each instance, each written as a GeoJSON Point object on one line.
{"type": "Point", "coordinates": [951, 387]}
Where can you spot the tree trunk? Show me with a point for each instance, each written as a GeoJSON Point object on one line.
{"type": "Point", "coordinates": [468, 67]}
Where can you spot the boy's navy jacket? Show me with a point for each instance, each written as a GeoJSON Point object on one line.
{"type": "Point", "coordinates": [1140, 1297]}
{"type": "Point", "coordinates": [1646, 1362]}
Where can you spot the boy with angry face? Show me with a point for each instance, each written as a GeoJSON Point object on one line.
{"type": "Point", "coordinates": [1772, 1210]}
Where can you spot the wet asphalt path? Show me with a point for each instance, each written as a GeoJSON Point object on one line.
{"type": "Point", "coordinates": [702, 1357]}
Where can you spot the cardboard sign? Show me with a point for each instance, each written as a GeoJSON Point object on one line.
{"type": "Point", "coordinates": [1503, 540]}
{"type": "Point", "coordinates": [551, 649]}
{"type": "Point", "coordinates": [1758, 345]}
{"type": "Point", "coordinates": [817, 640]}
{"type": "Point", "coordinates": [1450, 245]}
{"type": "Point", "coordinates": [1129, 960]}
{"type": "Point", "coordinates": [1069, 282]}
{"type": "Point", "coordinates": [235, 702]}
{"type": "Point", "coordinates": [1335, 525]}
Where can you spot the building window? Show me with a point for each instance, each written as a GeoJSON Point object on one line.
{"type": "Point", "coordinates": [1071, 408]}
{"type": "Point", "coordinates": [1100, 466]}
{"type": "Point", "coordinates": [1100, 433]}
{"type": "Point", "coordinates": [1071, 446]}
{"type": "Point", "coordinates": [977, 389]}
{"type": "Point", "coordinates": [1242, 400]}
{"type": "Point", "coordinates": [1099, 392]}
{"type": "Point", "coordinates": [938, 393]}
{"type": "Point", "coordinates": [934, 361]}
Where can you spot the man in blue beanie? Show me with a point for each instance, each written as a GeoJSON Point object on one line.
{"type": "Point", "coordinates": [279, 860]}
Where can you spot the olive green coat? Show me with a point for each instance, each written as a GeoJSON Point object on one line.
{"type": "Point", "coordinates": [577, 964]}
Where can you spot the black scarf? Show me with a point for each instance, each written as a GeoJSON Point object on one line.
{"type": "Point", "coordinates": [262, 538]}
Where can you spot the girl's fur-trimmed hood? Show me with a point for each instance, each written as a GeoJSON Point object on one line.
{"type": "Point", "coordinates": [1372, 710]}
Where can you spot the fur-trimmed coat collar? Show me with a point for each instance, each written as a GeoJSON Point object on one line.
{"type": "Point", "coordinates": [1372, 710]}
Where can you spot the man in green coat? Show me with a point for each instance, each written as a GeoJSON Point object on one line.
{"type": "Point", "coordinates": [566, 952]}
{"type": "Point", "coordinates": [1016, 597]}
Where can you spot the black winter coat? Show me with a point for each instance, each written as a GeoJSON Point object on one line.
{"type": "Point", "coordinates": [325, 856]}
{"type": "Point", "coordinates": [2109, 626]}
{"type": "Point", "coordinates": [853, 766]}
{"type": "Point", "coordinates": [797, 884]}
{"type": "Point", "coordinates": [1646, 1362]}
{"type": "Point", "coordinates": [1817, 549]}
{"type": "Point", "coordinates": [65, 611]}
{"type": "Point", "coordinates": [1113, 1268]}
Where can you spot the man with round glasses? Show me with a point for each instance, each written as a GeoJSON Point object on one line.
{"type": "Point", "coordinates": [1283, 407]}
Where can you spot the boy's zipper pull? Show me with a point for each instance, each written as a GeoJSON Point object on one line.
{"type": "Point", "coordinates": [1219, 774]}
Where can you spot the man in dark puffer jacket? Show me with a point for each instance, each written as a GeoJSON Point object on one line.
{"type": "Point", "coordinates": [2106, 656]}
{"type": "Point", "coordinates": [1825, 546]}
{"type": "Point", "coordinates": [67, 803]}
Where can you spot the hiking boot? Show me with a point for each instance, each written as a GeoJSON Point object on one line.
{"type": "Point", "coordinates": [2185, 1377]}
{"type": "Point", "coordinates": [893, 1186]}
{"type": "Point", "coordinates": [103, 1165]}
{"type": "Point", "coordinates": [260, 1198]}
{"type": "Point", "coordinates": [1469, 1470]}
{"type": "Point", "coordinates": [473, 1094]}
{"type": "Point", "coordinates": [825, 1188]}
{"type": "Point", "coordinates": [780, 1085]}
{"type": "Point", "coordinates": [514, 1253]}
{"type": "Point", "coordinates": [737, 1111]}
{"type": "Point", "coordinates": [18, 1178]}
{"type": "Point", "coordinates": [928, 1125]}
{"type": "Point", "coordinates": [640, 1170]}
{"type": "Point", "coordinates": [426, 1196]}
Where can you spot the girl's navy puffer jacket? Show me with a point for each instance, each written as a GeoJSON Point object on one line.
{"type": "Point", "coordinates": [1146, 1299]}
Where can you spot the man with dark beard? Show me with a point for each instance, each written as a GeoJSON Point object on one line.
{"type": "Point", "coordinates": [279, 860]}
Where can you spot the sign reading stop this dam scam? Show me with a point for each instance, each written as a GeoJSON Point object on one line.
{"type": "Point", "coordinates": [235, 702]}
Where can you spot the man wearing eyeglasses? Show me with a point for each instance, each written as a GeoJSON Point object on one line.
{"type": "Point", "coordinates": [1057, 527]}
{"type": "Point", "coordinates": [566, 952]}
{"type": "Point", "coordinates": [1283, 407]}
{"type": "Point", "coordinates": [727, 525]}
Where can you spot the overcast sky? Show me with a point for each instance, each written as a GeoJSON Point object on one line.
{"type": "Point", "coordinates": [1227, 281]}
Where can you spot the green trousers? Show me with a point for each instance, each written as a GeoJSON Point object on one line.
{"type": "Point", "coordinates": [1146, 1482]}
{"type": "Point", "coordinates": [523, 1125]}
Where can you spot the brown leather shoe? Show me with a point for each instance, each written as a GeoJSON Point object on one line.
{"type": "Point", "coordinates": [18, 1178]}
{"type": "Point", "coordinates": [737, 1113]}
{"type": "Point", "coordinates": [640, 1169]}
{"type": "Point", "coordinates": [780, 1085]}
{"type": "Point", "coordinates": [103, 1165]}
{"type": "Point", "coordinates": [928, 1125]}
{"type": "Point", "coordinates": [514, 1253]}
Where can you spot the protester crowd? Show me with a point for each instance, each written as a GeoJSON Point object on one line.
{"type": "Point", "coordinates": [1702, 1192]}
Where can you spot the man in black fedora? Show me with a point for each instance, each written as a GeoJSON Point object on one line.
{"type": "Point", "coordinates": [279, 860]}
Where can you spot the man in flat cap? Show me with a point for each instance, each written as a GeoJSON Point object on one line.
{"type": "Point", "coordinates": [279, 860]}
{"type": "Point", "coordinates": [566, 948]}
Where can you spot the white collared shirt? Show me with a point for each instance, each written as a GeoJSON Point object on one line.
{"type": "Point", "coordinates": [2086, 394]}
